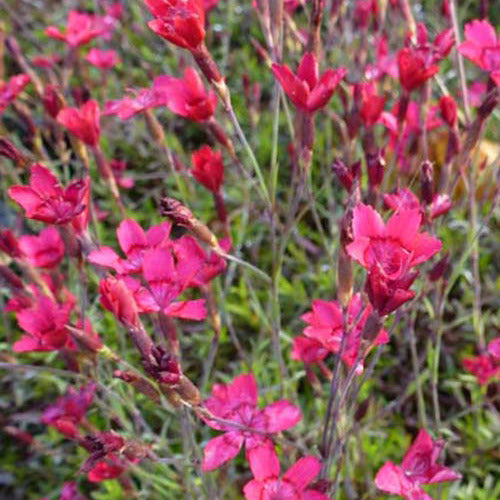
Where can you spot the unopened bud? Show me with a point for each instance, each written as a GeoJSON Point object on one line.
{"type": "Point", "coordinates": [427, 182]}
{"type": "Point", "coordinates": [8, 150]}
{"type": "Point", "coordinates": [375, 164]}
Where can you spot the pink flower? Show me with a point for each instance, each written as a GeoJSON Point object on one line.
{"type": "Point", "coordinates": [268, 485]}
{"type": "Point", "coordinates": [180, 22]}
{"type": "Point", "coordinates": [418, 467]}
{"type": "Point", "coordinates": [407, 200]}
{"type": "Point", "coordinates": [66, 413]}
{"type": "Point", "coordinates": [485, 367]}
{"type": "Point", "coordinates": [482, 47]}
{"type": "Point", "coordinates": [208, 168]}
{"type": "Point", "coordinates": [118, 167]}
{"type": "Point", "coordinates": [372, 104]}
{"type": "Point", "coordinates": [81, 29]}
{"type": "Point", "coordinates": [187, 96]}
{"type": "Point", "coordinates": [10, 90]}
{"type": "Point", "coordinates": [237, 402]}
{"type": "Point", "coordinates": [133, 241]}
{"type": "Point", "coordinates": [306, 89]}
{"type": "Point", "coordinates": [325, 327]}
{"type": "Point", "coordinates": [103, 59]}
{"type": "Point", "coordinates": [136, 102]}
{"type": "Point", "coordinates": [82, 122]}
{"type": "Point", "coordinates": [47, 201]}
{"type": "Point", "coordinates": [45, 325]}
{"type": "Point", "coordinates": [44, 250]}
{"type": "Point", "coordinates": [116, 298]}
{"type": "Point", "coordinates": [394, 247]}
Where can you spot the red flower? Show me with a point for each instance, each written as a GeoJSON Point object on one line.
{"type": "Point", "coordinates": [208, 168]}
{"type": "Point", "coordinates": [181, 22]}
{"type": "Point", "coordinates": [418, 467]}
{"type": "Point", "coordinates": [448, 110]}
{"type": "Point", "coordinates": [10, 90]}
{"type": "Point", "coordinates": [325, 328]}
{"type": "Point", "coordinates": [66, 413]}
{"type": "Point", "coordinates": [372, 104]}
{"type": "Point", "coordinates": [136, 102]}
{"type": "Point", "coordinates": [187, 96]}
{"type": "Point", "coordinates": [394, 247]}
{"type": "Point", "coordinates": [306, 90]}
{"type": "Point", "coordinates": [108, 468]}
{"type": "Point", "coordinates": [81, 29]}
{"type": "Point", "coordinates": [103, 59]}
{"type": "Point", "coordinates": [44, 250]}
{"type": "Point", "coordinates": [268, 485]}
{"type": "Point", "coordinates": [482, 47]}
{"type": "Point", "coordinates": [115, 297]}
{"type": "Point", "coordinates": [82, 122]}
{"type": "Point", "coordinates": [45, 325]}
{"type": "Point", "coordinates": [237, 402]}
{"type": "Point", "coordinates": [485, 367]}
{"type": "Point", "coordinates": [47, 201]}
{"type": "Point", "coordinates": [413, 69]}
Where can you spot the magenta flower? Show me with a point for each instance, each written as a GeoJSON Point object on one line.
{"type": "Point", "coordinates": [208, 168]}
{"type": "Point", "coordinates": [485, 367]}
{"type": "Point", "coordinates": [103, 59]}
{"type": "Point", "coordinates": [306, 89]}
{"type": "Point", "coordinates": [47, 201]}
{"type": "Point", "coordinates": [407, 200]}
{"type": "Point", "coordinates": [66, 413]}
{"type": "Point", "coordinates": [482, 47]}
{"type": "Point", "coordinates": [10, 90]}
{"type": "Point", "coordinates": [187, 96]}
{"type": "Point", "coordinates": [82, 122]}
{"type": "Point", "coordinates": [81, 29]}
{"type": "Point", "coordinates": [237, 402]}
{"type": "Point", "coordinates": [70, 491]}
{"type": "Point", "coordinates": [394, 247]}
{"type": "Point", "coordinates": [45, 325]}
{"type": "Point", "coordinates": [324, 332]}
{"type": "Point", "coordinates": [44, 250]}
{"type": "Point", "coordinates": [268, 485]}
{"type": "Point", "coordinates": [418, 467]}
{"type": "Point", "coordinates": [137, 101]}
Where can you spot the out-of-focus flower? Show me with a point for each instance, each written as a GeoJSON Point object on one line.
{"type": "Point", "coordinates": [180, 22]}
{"type": "Point", "coordinates": [237, 402]}
{"type": "Point", "coordinates": [325, 327]}
{"type": "Point", "coordinates": [103, 59]}
{"type": "Point", "coordinates": [418, 467]}
{"type": "Point", "coordinates": [11, 89]}
{"type": "Point", "coordinates": [80, 29]}
{"type": "Point", "coordinates": [47, 61]}
{"type": "Point", "coordinates": [82, 122]}
{"type": "Point", "coordinates": [306, 89]}
{"type": "Point", "coordinates": [485, 367]}
{"type": "Point", "coordinates": [372, 104]}
{"type": "Point", "coordinates": [44, 250]}
{"type": "Point", "coordinates": [482, 47]}
{"type": "Point", "coordinates": [187, 96]}
{"type": "Point", "coordinates": [45, 325]}
{"type": "Point", "coordinates": [448, 110]}
{"type": "Point", "coordinates": [9, 244]}
{"type": "Point", "coordinates": [47, 201]}
{"type": "Point", "coordinates": [70, 491]}
{"type": "Point", "coordinates": [267, 483]}
{"type": "Point", "coordinates": [413, 70]}
{"type": "Point", "coordinates": [135, 102]}
{"type": "Point", "coordinates": [53, 100]}
{"type": "Point", "coordinates": [208, 168]}
{"type": "Point", "coordinates": [66, 413]}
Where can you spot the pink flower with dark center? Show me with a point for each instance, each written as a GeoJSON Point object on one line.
{"type": "Point", "coordinates": [133, 241]}
{"type": "Point", "coordinates": [66, 413]}
{"type": "Point", "coordinates": [103, 59]}
{"type": "Point", "coordinates": [293, 485]}
{"type": "Point", "coordinates": [236, 403]}
{"type": "Point", "coordinates": [187, 96]}
{"type": "Point", "coordinates": [81, 28]}
{"type": "Point", "coordinates": [418, 467]}
{"type": "Point", "coordinates": [44, 250]}
{"type": "Point", "coordinates": [47, 201]}
{"type": "Point", "coordinates": [208, 168]}
{"type": "Point", "coordinates": [482, 47]}
{"type": "Point", "coordinates": [181, 22]}
{"type": "Point", "coordinates": [306, 89]}
{"type": "Point", "coordinates": [11, 89]}
{"type": "Point", "coordinates": [394, 247]}
{"type": "Point", "coordinates": [325, 326]}
{"type": "Point", "coordinates": [82, 122]}
{"type": "Point", "coordinates": [165, 281]}
{"type": "Point", "coordinates": [45, 325]}
{"type": "Point", "coordinates": [485, 367]}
